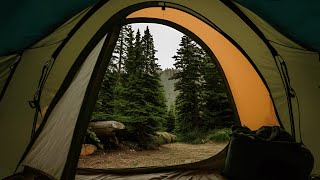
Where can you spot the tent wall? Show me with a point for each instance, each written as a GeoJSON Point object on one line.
{"type": "Point", "coordinates": [60, 67]}
{"type": "Point", "coordinates": [8, 65]}
{"type": "Point", "coordinates": [28, 22]}
{"type": "Point", "coordinates": [15, 113]}
{"type": "Point", "coordinates": [50, 150]}
{"type": "Point", "coordinates": [303, 68]}
{"type": "Point", "coordinates": [297, 20]}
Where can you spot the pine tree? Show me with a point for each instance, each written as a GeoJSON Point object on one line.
{"type": "Point", "coordinates": [202, 104]}
{"type": "Point", "coordinates": [126, 39]}
{"type": "Point", "coordinates": [154, 91]}
{"type": "Point", "coordinates": [170, 119]}
{"type": "Point", "coordinates": [216, 108]}
{"type": "Point", "coordinates": [112, 81]}
{"type": "Point", "coordinates": [120, 52]}
{"type": "Point", "coordinates": [121, 100]}
{"type": "Point", "coordinates": [104, 107]}
{"type": "Point", "coordinates": [188, 62]}
{"type": "Point", "coordinates": [142, 103]}
{"type": "Point", "coordinates": [149, 51]}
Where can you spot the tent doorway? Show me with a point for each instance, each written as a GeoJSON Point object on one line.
{"type": "Point", "coordinates": [193, 83]}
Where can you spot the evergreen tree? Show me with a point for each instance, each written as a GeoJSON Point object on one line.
{"type": "Point", "coordinates": [111, 84]}
{"type": "Point", "coordinates": [142, 103]}
{"type": "Point", "coordinates": [202, 104]}
{"type": "Point", "coordinates": [151, 67]}
{"type": "Point", "coordinates": [120, 52]}
{"type": "Point", "coordinates": [128, 67]}
{"type": "Point", "coordinates": [188, 62]}
{"type": "Point", "coordinates": [216, 108]}
{"type": "Point", "coordinates": [104, 107]}
{"type": "Point", "coordinates": [170, 120]}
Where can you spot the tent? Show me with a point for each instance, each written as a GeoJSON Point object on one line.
{"type": "Point", "coordinates": [54, 54]}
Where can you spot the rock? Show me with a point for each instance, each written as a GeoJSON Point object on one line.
{"type": "Point", "coordinates": [88, 149]}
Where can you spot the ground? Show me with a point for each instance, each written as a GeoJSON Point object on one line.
{"type": "Point", "coordinates": [168, 154]}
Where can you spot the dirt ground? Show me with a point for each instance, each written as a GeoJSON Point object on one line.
{"type": "Point", "coordinates": [168, 154]}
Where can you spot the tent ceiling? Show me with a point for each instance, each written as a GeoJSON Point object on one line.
{"type": "Point", "coordinates": [299, 20]}
{"type": "Point", "coordinates": [28, 22]}
{"type": "Point", "coordinates": [24, 23]}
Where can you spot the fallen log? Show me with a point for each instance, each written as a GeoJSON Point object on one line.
{"type": "Point", "coordinates": [106, 128]}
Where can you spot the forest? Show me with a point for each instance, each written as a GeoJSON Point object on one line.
{"type": "Point", "coordinates": [188, 102]}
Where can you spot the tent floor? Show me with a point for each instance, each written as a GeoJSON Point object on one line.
{"type": "Point", "coordinates": [194, 175]}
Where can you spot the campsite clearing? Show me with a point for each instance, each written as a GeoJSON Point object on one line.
{"type": "Point", "coordinates": [168, 154]}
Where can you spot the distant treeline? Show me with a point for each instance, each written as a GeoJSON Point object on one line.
{"type": "Point", "coordinates": [168, 85]}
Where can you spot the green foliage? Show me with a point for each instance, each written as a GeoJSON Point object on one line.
{"type": "Point", "coordinates": [164, 138]}
{"type": "Point", "coordinates": [200, 137]}
{"type": "Point", "coordinates": [188, 61]}
{"type": "Point", "coordinates": [219, 135]}
{"type": "Point", "coordinates": [195, 136]}
{"type": "Point", "coordinates": [92, 138]}
{"type": "Point", "coordinates": [215, 104]}
{"type": "Point", "coordinates": [98, 115]}
{"type": "Point", "coordinates": [170, 121]}
{"type": "Point", "coordinates": [202, 104]}
{"type": "Point", "coordinates": [144, 109]}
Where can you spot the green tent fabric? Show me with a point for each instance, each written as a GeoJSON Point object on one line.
{"type": "Point", "coordinates": [26, 22]}
{"type": "Point", "coordinates": [297, 19]}
{"type": "Point", "coordinates": [29, 21]}
{"type": "Point", "coordinates": [55, 51]}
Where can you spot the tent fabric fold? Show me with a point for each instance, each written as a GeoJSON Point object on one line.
{"type": "Point", "coordinates": [52, 148]}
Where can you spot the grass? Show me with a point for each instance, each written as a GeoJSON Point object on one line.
{"type": "Point", "coordinates": [196, 137]}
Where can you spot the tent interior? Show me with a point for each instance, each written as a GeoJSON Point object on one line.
{"type": "Point", "coordinates": [265, 72]}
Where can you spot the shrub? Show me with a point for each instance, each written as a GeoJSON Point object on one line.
{"type": "Point", "coordinates": [200, 137]}
{"type": "Point", "coordinates": [92, 138]}
{"type": "Point", "coordinates": [164, 138]}
{"type": "Point", "coordinates": [193, 137]}
{"type": "Point", "coordinates": [219, 135]}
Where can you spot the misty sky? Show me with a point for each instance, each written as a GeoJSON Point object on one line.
{"type": "Point", "coordinates": [166, 41]}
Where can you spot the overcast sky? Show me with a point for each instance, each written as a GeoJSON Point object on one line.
{"type": "Point", "coordinates": [166, 41]}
